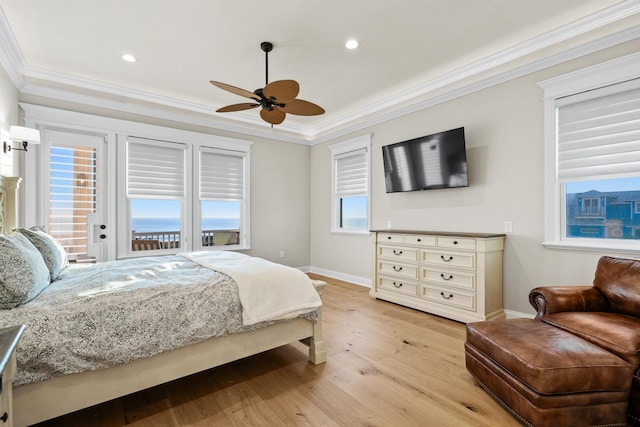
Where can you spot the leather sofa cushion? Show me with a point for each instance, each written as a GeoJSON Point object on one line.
{"type": "Point", "coordinates": [548, 359]}
{"type": "Point", "coordinates": [619, 280]}
{"type": "Point", "coordinates": [617, 333]}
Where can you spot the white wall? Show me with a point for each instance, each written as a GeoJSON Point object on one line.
{"type": "Point", "coordinates": [280, 202]}
{"type": "Point", "coordinates": [505, 148]}
{"type": "Point", "coordinates": [8, 117]}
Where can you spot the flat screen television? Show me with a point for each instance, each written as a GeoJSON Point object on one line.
{"type": "Point", "coordinates": [425, 163]}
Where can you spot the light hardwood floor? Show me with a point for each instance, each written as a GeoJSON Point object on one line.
{"type": "Point", "coordinates": [387, 366]}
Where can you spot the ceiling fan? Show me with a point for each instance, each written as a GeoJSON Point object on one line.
{"type": "Point", "coordinates": [276, 98]}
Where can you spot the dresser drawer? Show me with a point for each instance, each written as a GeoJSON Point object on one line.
{"type": "Point", "coordinates": [457, 243]}
{"type": "Point", "coordinates": [459, 279]}
{"type": "Point", "coordinates": [450, 259]}
{"type": "Point", "coordinates": [398, 269]}
{"type": "Point", "coordinates": [403, 286]}
{"type": "Point", "coordinates": [450, 297]}
{"type": "Point", "coordinates": [390, 238]}
{"type": "Point", "coordinates": [420, 240]}
{"type": "Point", "coordinates": [399, 253]}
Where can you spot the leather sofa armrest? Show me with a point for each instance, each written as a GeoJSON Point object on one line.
{"type": "Point", "coordinates": [555, 299]}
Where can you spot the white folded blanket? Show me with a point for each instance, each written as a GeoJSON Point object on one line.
{"type": "Point", "coordinates": [268, 291]}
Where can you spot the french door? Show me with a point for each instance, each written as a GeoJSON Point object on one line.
{"type": "Point", "coordinates": [75, 206]}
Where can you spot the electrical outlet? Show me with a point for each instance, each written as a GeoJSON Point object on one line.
{"type": "Point", "coordinates": [281, 254]}
{"type": "Point", "coordinates": [389, 224]}
{"type": "Point", "coordinates": [508, 227]}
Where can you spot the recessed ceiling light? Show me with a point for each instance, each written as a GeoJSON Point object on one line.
{"type": "Point", "coordinates": [351, 44]}
{"type": "Point", "coordinates": [129, 58]}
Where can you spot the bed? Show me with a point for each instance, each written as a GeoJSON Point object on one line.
{"type": "Point", "coordinates": [225, 321]}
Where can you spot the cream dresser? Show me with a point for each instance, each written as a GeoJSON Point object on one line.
{"type": "Point", "coordinates": [454, 275]}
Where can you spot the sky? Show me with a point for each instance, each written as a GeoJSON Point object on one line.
{"type": "Point", "coordinates": [619, 184]}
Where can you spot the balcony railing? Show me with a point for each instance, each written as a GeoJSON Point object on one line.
{"type": "Point", "coordinates": [150, 240]}
{"type": "Point", "coordinates": [578, 211]}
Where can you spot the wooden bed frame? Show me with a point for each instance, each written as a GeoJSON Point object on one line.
{"type": "Point", "coordinates": [33, 403]}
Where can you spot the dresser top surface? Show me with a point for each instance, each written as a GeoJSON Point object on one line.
{"type": "Point", "coordinates": [441, 233]}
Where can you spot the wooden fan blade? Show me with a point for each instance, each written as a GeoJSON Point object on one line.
{"type": "Point", "coordinates": [237, 107]}
{"type": "Point", "coordinates": [301, 107]}
{"type": "Point", "coordinates": [235, 90]}
{"type": "Point", "coordinates": [275, 116]}
{"type": "Point", "coordinates": [282, 91]}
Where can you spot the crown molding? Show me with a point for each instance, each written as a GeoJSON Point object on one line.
{"type": "Point", "coordinates": [11, 56]}
{"type": "Point", "coordinates": [579, 27]}
{"type": "Point", "coordinates": [559, 58]}
{"type": "Point", "coordinates": [149, 104]}
{"type": "Point", "coordinates": [39, 82]}
{"type": "Point", "coordinates": [182, 112]}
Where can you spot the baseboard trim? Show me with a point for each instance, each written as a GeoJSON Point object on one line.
{"type": "Point", "coordinates": [362, 281]}
{"type": "Point", "coordinates": [511, 314]}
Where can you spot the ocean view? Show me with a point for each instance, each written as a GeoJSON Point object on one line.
{"type": "Point", "coordinates": [355, 223]}
{"type": "Point", "coordinates": [146, 225]}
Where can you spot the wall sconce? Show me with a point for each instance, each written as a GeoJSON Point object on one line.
{"type": "Point", "coordinates": [24, 134]}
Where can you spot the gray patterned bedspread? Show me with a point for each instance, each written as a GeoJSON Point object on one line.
{"type": "Point", "coordinates": [112, 313]}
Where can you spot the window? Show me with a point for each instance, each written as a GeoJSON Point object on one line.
{"type": "Point", "coordinates": [350, 172]}
{"type": "Point", "coordinates": [155, 193]}
{"type": "Point", "coordinates": [133, 187]}
{"type": "Point", "coordinates": [222, 196]}
{"type": "Point", "coordinates": [592, 183]}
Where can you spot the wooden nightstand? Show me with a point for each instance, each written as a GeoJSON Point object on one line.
{"type": "Point", "coordinates": [9, 338]}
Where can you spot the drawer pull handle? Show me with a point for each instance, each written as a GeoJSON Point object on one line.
{"type": "Point", "coordinates": [455, 242]}
{"type": "Point", "coordinates": [4, 417]}
{"type": "Point", "coordinates": [397, 285]}
{"type": "Point", "coordinates": [446, 278]}
{"type": "Point", "coordinates": [446, 259]}
{"type": "Point", "coordinates": [446, 297]}
{"type": "Point", "coordinates": [397, 268]}
{"type": "Point", "coordinates": [419, 240]}
{"type": "Point", "coordinates": [397, 252]}
{"type": "Point", "coordinates": [389, 237]}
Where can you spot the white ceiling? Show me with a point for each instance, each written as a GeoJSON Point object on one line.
{"type": "Point", "coordinates": [73, 48]}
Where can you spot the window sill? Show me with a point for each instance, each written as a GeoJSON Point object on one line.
{"type": "Point", "coordinates": [625, 247]}
{"type": "Point", "coordinates": [355, 232]}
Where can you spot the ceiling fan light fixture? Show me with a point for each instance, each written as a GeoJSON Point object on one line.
{"type": "Point", "coordinates": [276, 99]}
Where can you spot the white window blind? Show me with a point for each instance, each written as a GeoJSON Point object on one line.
{"type": "Point", "coordinates": [221, 175]}
{"type": "Point", "coordinates": [155, 168]}
{"type": "Point", "coordinates": [599, 138]}
{"type": "Point", "coordinates": [351, 174]}
{"type": "Point", "coordinates": [72, 188]}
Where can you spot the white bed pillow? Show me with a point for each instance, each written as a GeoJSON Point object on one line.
{"type": "Point", "coordinates": [23, 273]}
{"type": "Point", "coordinates": [54, 255]}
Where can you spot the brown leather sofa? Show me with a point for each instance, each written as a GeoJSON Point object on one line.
{"type": "Point", "coordinates": [577, 362]}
